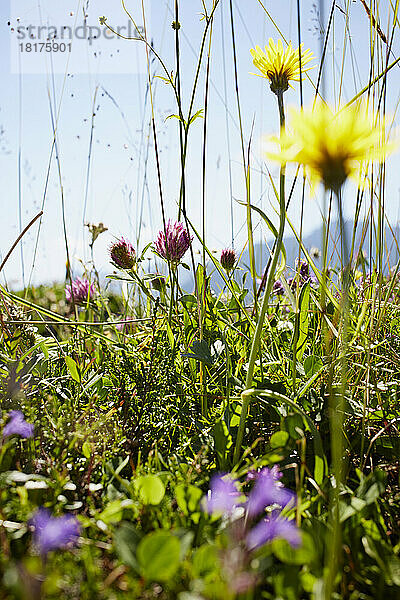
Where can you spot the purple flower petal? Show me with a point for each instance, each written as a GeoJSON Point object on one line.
{"type": "Point", "coordinates": [269, 529]}
{"type": "Point", "coordinates": [267, 490]}
{"type": "Point", "coordinates": [52, 533]}
{"type": "Point", "coordinates": [172, 243]}
{"type": "Point", "coordinates": [18, 426]}
{"type": "Point", "coordinates": [223, 495]}
{"type": "Point", "coordinates": [278, 288]}
{"type": "Point", "coordinates": [228, 259]}
{"type": "Point", "coordinates": [303, 269]}
{"type": "Point", "coordinates": [80, 290]}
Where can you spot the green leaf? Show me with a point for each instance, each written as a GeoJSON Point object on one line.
{"type": "Point", "coordinates": [372, 486]}
{"type": "Point", "coordinates": [165, 79]}
{"type": "Point", "coordinates": [205, 560]}
{"type": "Point", "coordinates": [170, 336]}
{"type": "Point", "coordinates": [279, 439]}
{"type": "Point", "coordinates": [113, 511]}
{"type": "Point", "coordinates": [201, 352]}
{"type": "Point", "coordinates": [201, 278]}
{"type": "Point", "coordinates": [44, 349]}
{"type": "Point", "coordinates": [303, 318]}
{"type": "Point", "coordinates": [158, 555]}
{"type": "Point", "coordinates": [222, 443]}
{"type": "Point", "coordinates": [274, 231]}
{"type": "Point", "coordinates": [188, 498]}
{"type": "Point", "coordinates": [387, 562]}
{"type": "Point", "coordinates": [174, 117]}
{"type": "Point", "coordinates": [87, 449]}
{"type": "Point", "coordinates": [141, 258]}
{"type": "Point", "coordinates": [150, 489]}
{"type": "Point", "coordinates": [312, 365]}
{"type": "Point", "coordinates": [188, 300]}
{"type": "Point", "coordinates": [237, 411]}
{"type": "Point", "coordinates": [303, 555]}
{"type": "Point", "coordinates": [73, 369]}
{"type": "Point", "coordinates": [250, 228]}
{"type": "Point", "coordinates": [197, 115]}
{"type": "Point", "coordinates": [294, 425]}
{"type": "Point", "coordinates": [320, 463]}
{"type": "Point", "coordinates": [126, 539]}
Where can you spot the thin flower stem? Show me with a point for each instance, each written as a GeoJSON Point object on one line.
{"type": "Point", "coordinates": [337, 408]}
{"type": "Point", "coordinates": [246, 396]}
{"type": "Point", "coordinates": [203, 290]}
{"type": "Point", "coordinates": [21, 235]}
{"type": "Point", "coordinates": [171, 300]}
{"type": "Point", "coordinates": [246, 163]}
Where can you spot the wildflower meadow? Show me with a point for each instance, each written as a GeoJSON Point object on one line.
{"type": "Point", "coordinates": [202, 403]}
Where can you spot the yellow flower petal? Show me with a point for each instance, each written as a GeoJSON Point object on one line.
{"type": "Point", "coordinates": [333, 147]}
{"type": "Point", "coordinates": [281, 66]}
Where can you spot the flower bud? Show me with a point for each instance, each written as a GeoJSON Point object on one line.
{"type": "Point", "coordinates": [228, 259]}
{"type": "Point", "coordinates": [122, 254]}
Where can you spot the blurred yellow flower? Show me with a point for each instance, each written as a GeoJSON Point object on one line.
{"type": "Point", "coordinates": [281, 66]}
{"type": "Point", "coordinates": [333, 146]}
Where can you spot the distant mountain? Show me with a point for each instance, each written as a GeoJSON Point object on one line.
{"type": "Point", "coordinates": [312, 241]}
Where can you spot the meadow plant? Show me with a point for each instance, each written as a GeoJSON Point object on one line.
{"type": "Point", "coordinates": [167, 441]}
{"type": "Point", "coordinates": [80, 291]}
{"type": "Point", "coordinates": [225, 498]}
{"type": "Point", "coordinates": [173, 243]}
{"type": "Point", "coordinates": [159, 283]}
{"type": "Point", "coordinates": [122, 254]}
{"type": "Point", "coordinates": [333, 146]}
{"type": "Point", "coordinates": [228, 259]}
{"type": "Point", "coordinates": [281, 66]}
{"type": "Point", "coordinates": [53, 533]}
{"type": "Point", "coordinates": [18, 426]}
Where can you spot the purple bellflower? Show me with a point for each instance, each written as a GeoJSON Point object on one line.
{"type": "Point", "coordinates": [269, 529]}
{"type": "Point", "coordinates": [52, 533]}
{"type": "Point", "coordinates": [223, 495]}
{"type": "Point", "coordinates": [267, 490]}
{"type": "Point", "coordinates": [18, 426]}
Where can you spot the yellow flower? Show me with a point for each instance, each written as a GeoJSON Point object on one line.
{"type": "Point", "coordinates": [281, 66]}
{"type": "Point", "coordinates": [333, 147]}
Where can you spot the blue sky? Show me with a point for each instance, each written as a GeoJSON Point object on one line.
{"type": "Point", "coordinates": [116, 194]}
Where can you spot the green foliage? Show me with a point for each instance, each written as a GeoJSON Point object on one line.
{"type": "Point", "coordinates": [139, 400]}
{"type": "Point", "coordinates": [119, 441]}
{"type": "Point", "coordinates": [159, 555]}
